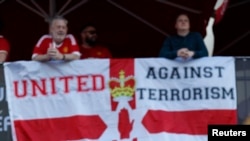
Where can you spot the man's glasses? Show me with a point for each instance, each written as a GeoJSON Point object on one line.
{"type": "Point", "coordinates": [91, 32]}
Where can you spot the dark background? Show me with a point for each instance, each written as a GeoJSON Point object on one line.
{"type": "Point", "coordinates": [127, 36]}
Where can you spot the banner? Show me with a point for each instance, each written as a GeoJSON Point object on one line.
{"type": "Point", "coordinates": [149, 99]}
{"type": "Point", "coordinates": [5, 127]}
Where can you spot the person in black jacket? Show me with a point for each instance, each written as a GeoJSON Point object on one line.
{"type": "Point", "coordinates": [185, 44]}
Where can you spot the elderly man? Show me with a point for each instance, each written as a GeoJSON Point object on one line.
{"type": "Point", "coordinates": [58, 45]}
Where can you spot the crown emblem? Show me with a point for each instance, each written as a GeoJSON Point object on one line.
{"type": "Point", "coordinates": [122, 86]}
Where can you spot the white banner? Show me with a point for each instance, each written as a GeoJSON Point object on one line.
{"type": "Point", "coordinates": [120, 99]}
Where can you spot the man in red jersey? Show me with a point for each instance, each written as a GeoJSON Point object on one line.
{"type": "Point", "coordinates": [4, 47]}
{"type": "Point", "coordinates": [58, 45]}
{"type": "Point", "coordinates": [89, 46]}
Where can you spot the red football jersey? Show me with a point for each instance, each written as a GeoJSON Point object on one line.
{"type": "Point", "coordinates": [95, 52]}
{"type": "Point", "coordinates": [68, 46]}
{"type": "Point", "coordinates": [4, 46]}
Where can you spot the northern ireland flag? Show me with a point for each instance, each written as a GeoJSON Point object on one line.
{"type": "Point", "coordinates": [151, 99]}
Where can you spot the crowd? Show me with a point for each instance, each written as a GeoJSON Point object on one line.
{"type": "Point", "coordinates": [58, 44]}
